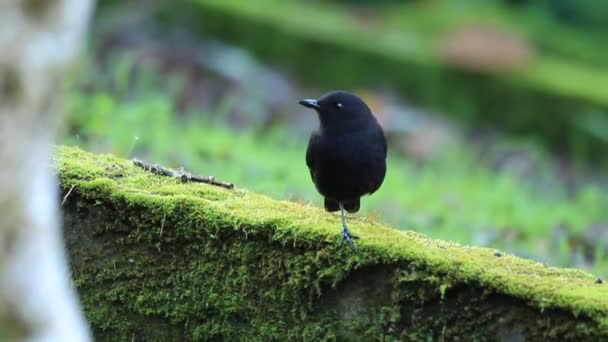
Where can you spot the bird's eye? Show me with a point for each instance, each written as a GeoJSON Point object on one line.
{"type": "Point", "coordinates": [338, 105]}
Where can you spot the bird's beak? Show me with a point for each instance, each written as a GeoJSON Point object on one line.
{"type": "Point", "coordinates": [310, 103]}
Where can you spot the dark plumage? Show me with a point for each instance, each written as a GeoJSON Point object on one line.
{"type": "Point", "coordinates": [346, 156]}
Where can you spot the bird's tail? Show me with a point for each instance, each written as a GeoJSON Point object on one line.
{"type": "Point", "coordinates": [331, 205]}
{"type": "Point", "coordinates": [351, 206]}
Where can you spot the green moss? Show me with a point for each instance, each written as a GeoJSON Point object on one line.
{"type": "Point", "coordinates": [155, 259]}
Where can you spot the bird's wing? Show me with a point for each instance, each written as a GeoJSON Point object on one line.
{"type": "Point", "coordinates": [376, 177]}
{"type": "Point", "coordinates": [311, 151]}
{"type": "Point", "coordinates": [384, 143]}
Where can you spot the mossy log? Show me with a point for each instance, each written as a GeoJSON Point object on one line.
{"type": "Point", "coordinates": [158, 260]}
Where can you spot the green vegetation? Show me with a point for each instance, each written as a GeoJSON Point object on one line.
{"type": "Point", "coordinates": [454, 197]}
{"type": "Point", "coordinates": [154, 259]}
{"type": "Point", "coordinates": [398, 47]}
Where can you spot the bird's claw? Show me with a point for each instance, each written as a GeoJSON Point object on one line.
{"type": "Point", "coordinates": [348, 237]}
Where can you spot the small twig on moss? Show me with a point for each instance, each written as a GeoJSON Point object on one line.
{"type": "Point", "coordinates": [162, 225]}
{"type": "Point", "coordinates": [65, 198]}
{"type": "Point", "coordinates": [181, 174]}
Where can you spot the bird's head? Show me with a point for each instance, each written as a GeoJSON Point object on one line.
{"type": "Point", "coordinates": [340, 109]}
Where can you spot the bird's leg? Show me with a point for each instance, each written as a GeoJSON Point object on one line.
{"type": "Point", "coordinates": [345, 233]}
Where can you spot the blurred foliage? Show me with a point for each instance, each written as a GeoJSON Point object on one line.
{"type": "Point", "coordinates": [590, 14]}
{"type": "Point", "coordinates": [400, 46]}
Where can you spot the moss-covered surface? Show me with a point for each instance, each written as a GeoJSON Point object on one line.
{"type": "Point", "coordinates": [154, 259]}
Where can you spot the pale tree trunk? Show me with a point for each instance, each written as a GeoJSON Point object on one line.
{"type": "Point", "coordinates": [40, 41]}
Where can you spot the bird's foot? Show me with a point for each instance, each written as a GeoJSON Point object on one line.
{"type": "Point", "coordinates": [346, 235]}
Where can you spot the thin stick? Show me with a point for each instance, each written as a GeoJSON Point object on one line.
{"type": "Point", "coordinates": [162, 224]}
{"type": "Point", "coordinates": [65, 198]}
{"type": "Point", "coordinates": [183, 176]}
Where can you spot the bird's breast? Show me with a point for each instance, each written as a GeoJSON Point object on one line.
{"type": "Point", "coordinates": [351, 165]}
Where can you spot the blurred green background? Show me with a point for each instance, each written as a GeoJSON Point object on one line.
{"type": "Point", "coordinates": [496, 111]}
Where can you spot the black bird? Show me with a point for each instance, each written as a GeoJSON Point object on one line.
{"type": "Point", "coordinates": [346, 155]}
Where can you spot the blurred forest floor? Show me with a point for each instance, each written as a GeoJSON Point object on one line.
{"type": "Point", "coordinates": [168, 95]}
